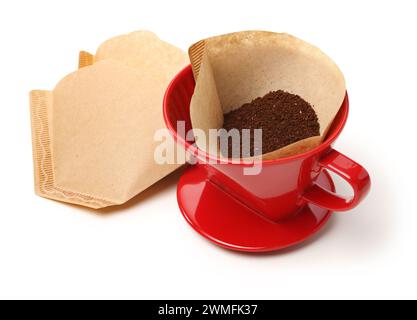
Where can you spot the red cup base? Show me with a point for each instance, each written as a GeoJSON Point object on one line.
{"type": "Point", "coordinates": [222, 219]}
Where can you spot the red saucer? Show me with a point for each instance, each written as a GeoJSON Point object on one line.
{"type": "Point", "coordinates": [227, 222]}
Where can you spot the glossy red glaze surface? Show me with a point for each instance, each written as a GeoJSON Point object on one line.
{"type": "Point", "coordinates": [280, 192]}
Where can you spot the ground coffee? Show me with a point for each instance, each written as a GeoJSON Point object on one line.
{"type": "Point", "coordinates": [284, 118]}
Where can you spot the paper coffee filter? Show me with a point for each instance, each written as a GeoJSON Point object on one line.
{"type": "Point", "coordinates": [236, 68]}
{"type": "Point", "coordinates": [101, 135]}
{"type": "Point", "coordinates": [93, 135]}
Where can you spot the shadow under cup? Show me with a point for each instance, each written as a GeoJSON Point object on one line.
{"type": "Point", "coordinates": [284, 185]}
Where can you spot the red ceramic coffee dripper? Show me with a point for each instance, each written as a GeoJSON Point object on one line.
{"type": "Point", "coordinates": [290, 200]}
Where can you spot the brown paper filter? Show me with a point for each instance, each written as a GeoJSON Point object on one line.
{"type": "Point", "coordinates": [236, 68]}
{"type": "Point", "coordinates": [93, 135]}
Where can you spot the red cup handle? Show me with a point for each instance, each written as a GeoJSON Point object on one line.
{"type": "Point", "coordinates": [349, 170]}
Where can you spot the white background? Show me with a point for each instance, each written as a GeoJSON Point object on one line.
{"type": "Point", "coordinates": [146, 249]}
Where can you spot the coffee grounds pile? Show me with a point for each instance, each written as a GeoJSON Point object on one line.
{"type": "Point", "coordinates": [284, 118]}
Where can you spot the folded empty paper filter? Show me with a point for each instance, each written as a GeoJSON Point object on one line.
{"type": "Point", "coordinates": [93, 135]}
